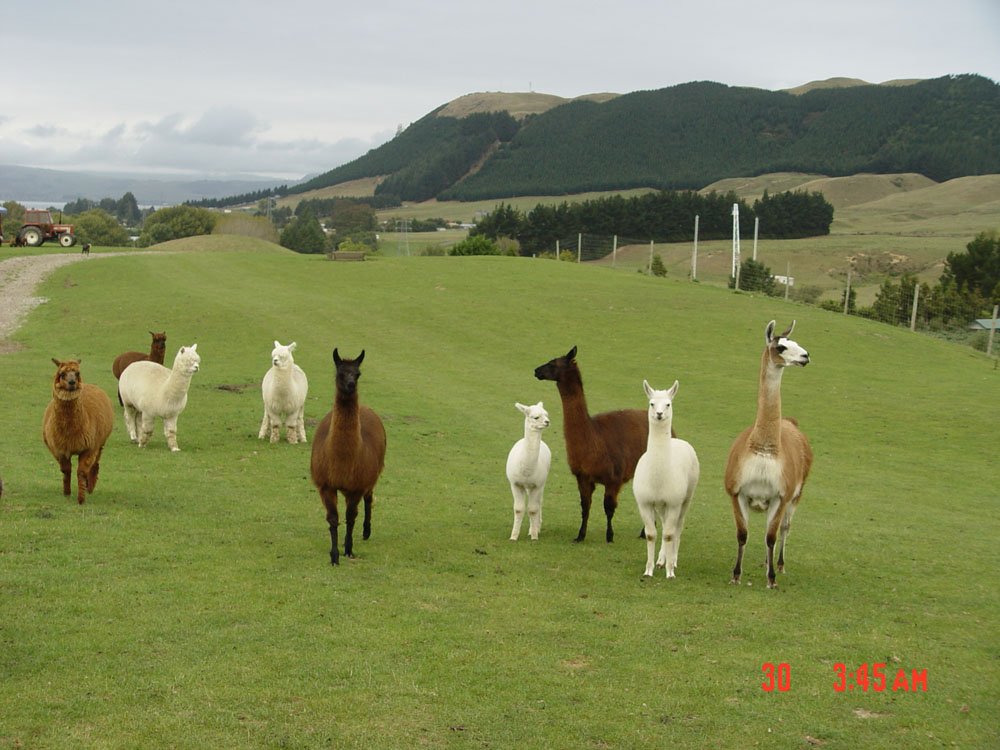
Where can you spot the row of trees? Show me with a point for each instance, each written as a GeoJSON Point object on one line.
{"type": "Point", "coordinates": [659, 216]}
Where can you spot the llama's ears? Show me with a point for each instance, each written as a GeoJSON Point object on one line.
{"type": "Point", "coordinates": [571, 354]}
{"type": "Point", "coordinates": [673, 389]}
{"type": "Point", "coordinates": [56, 362]}
{"type": "Point", "coordinates": [769, 333]}
{"type": "Point", "coordinates": [276, 344]}
{"type": "Point", "coordinates": [193, 347]}
{"type": "Point", "coordinates": [336, 357]}
{"type": "Point", "coordinates": [788, 332]}
{"type": "Point", "coordinates": [646, 387]}
{"type": "Point", "coordinates": [360, 358]}
{"type": "Point", "coordinates": [151, 333]}
{"type": "Point", "coordinates": [291, 346]}
{"type": "Point", "coordinates": [522, 408]}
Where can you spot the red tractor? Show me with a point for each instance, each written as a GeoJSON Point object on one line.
{"type": "Point", "coordinates": [38, 227]}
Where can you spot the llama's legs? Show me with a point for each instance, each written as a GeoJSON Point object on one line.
{"type": "Point", "coordinates": [94, 471]}
{"type": "Point", "coordinates": [649, 532]}
{"type": "Point", "coordinates": [366, 529]}
{"type": "Point", "coordinates": [291, 429]}
{"type": "Point", "coordinates": [351, 505]}
{"type": "Point", "coordinates": [329, 498]}
{"type": "Point", "coordinates": [786, 526]}
{"type": "Point", "coordinates": [265, 427]}
{"type": "Point", "coordinates": [775, 516]}
{"type": "Point", "coordinates": [520, 503]}
{"type": "Point", "coordinates": [671, 538]}
{"type": "Point", "coordinates": [741, 512]}
{"type": "Point", "coordinates": [534, 512]}
{"type": "Point", "coordinates": [130, 415]}
{"type": "Point", "coordinates": [586, 488]}
{"type": "Point", "coordinates": [144, 427]}
{"type": "Point", "coordinates": [300, 425]}
{"type": "Point", "coordinates": [66, 467]}
{"type": "Point", "coordinates": [610, 505]}
{"type": "Point", "coordinates": [170, 432]}
{"type": "Point", "coordinates": [83, 466]}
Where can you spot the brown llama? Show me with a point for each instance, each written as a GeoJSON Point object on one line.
{"type": "Point", "coordinates": [770, 460]}
{"type": "Point", "coordinates": [77, 422]}
{"type": "Point", "coordinates": [348, 454]}
{"type": "Point", "coordinates": [602, 449]}
{"type": "Point", "coordinates": [157, 350]}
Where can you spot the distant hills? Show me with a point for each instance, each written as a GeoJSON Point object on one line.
{"type": "Point", "coordinates": [493, 146]}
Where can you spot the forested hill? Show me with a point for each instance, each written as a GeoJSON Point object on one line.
{"type": "Point", "coordinates": [687, 136]}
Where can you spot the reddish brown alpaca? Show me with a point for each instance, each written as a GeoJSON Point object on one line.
{"type": "Point", "coordinates": [77, 422]}
{"type": "Point", "coordinates": [348, 454]}
{"type": "Point", "coordinates": [157, 349]}
{"type": "Point", "coordinates": [602, 449]}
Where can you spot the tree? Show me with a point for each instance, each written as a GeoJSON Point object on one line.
{"type": "Point", "coordinates": [754, 277]}
{"type": "Point", "coordinates": [98, 228]}
{"type": "Point", "coordinates": [304, 235]}
{"type": "Point", "coordinates": [14, 219]}
{"type": "Point", "coordinates": [176, 222]}
{"type": "Point", "coordinates": [656, 267]}
{"type": "Point", "coordinates": [978, 268]}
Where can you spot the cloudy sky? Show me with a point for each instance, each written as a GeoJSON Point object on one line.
{"type": "Point", "coordinates": [288, 88]}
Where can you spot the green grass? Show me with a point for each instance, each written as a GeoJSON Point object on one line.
{"type": "Point", "coordinates": [190, 602]}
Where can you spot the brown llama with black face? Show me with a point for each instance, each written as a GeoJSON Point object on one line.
{"type": "Point", "coordinates": [602, 449]}
{"type": "Point", "coordinates": [157, 350]}
{"type": "Point", "coordinates": [77, 422]}
{"type": "Point", "coordinates": [348, 454]}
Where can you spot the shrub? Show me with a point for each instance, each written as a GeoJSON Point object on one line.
{"type": "Point", "coordinates": [475, 245]}
{"type": "Point", "coordinates": [657, 267]}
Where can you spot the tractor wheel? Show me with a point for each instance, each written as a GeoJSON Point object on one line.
{"type": "Point", "coordinates": [32, 236]}
{"type": "Point", "coordinates": [67, 240]}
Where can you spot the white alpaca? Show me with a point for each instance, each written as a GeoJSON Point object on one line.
{"type": "Point", "coordinates": [664, 481]}
{"type": "Point", "coordinates": [527, 469]}
{"type": "Point", "coordinates": [150, 390]}
{"type": "Point", "coordinates": [284, 391]}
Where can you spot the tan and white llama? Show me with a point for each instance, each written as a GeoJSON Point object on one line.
{"type": "Point", "coordinates": [770, 461]}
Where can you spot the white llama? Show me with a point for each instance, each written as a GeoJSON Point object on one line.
{"type": "Point", "coordinates": [664, 482]}
{"type": "Point", "coordinates": [527, 469]}
{"type": "Point", "coordinates": [284, 392]}
{"type": "Point", "coordinates": [150, 390]}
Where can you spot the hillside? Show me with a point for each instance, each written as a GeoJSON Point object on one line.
{"type": "Point", "coordinates": [684, 137]}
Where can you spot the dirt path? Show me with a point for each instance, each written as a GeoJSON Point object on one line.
{"type": "Point", "coordinates": [18, 279]}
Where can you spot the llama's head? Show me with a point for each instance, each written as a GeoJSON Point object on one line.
{"type": "Point", "coordinates": [555, 368]}
{"type": "Point", "coordinates": [535, 417]}
{"type": "Point", "coordinates": [660, 402]}
{"type": "Point", "coordinates": [67, 383]}
{"type": "Point", "coordinates": [159, 345]}
{"type": "Point", "coordinates": [782, 350]}
{"type": "Point", "coordinates": [348, 372]}
{"type": "Point", "coordinates": [188, 359]}
{"type": "Point", "coordinates": [281, 356]}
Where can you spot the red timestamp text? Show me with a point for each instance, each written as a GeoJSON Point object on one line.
{"type": "Point", "coordinates": [876, 679]}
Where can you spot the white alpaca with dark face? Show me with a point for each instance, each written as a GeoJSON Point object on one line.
{"type": "Point", "coordinates": [527, 470]}
{"type": "Point", "coordinates": [665, 480]}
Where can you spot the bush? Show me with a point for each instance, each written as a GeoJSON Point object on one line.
{"type": "Point", "coordinates": [475, 245]}
{"type": "Point", "coordinates": [657, 267]}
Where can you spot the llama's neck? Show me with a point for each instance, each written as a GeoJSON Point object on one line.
{"type": "Point", "coordinates": [282, 376]}
{"type": "Point", "coordinates": [765, 437]}
{"type": "Point", "coordinates": [345, 432]}
{"type": "Point", "coordinates": [576, 418]}
{"type": "Point", "coordinates": [658, 441]}
{"type": "Point", "coordinates": [177, 384]}
{"type": "Point", "coordinates": [531, 447]}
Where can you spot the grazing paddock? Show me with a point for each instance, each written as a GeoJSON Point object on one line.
{"type": "Point", "coordinates": [190, 602]}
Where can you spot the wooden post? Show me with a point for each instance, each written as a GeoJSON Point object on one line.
{"type": "Point", "coordinates": [756, 226]}
{"type": "Point", "coordinates": [614, 253]}
{"type": "Point", "coordinates": [993, 329]}
{"type": "Point", "coordinates": [847, 292]}
{"type": "Point", "coordinates": [694, 253]}
{"type": "Point", "coordinates": [649, 271]}
{"type": "Point", "coordinates": [913, 315]}
{"type": "Point", "coordinates": [557, 249]}
{"type": "Point", "coordinates": [579, 247]}
{"type": "Point", "coordinates": [788, 277]}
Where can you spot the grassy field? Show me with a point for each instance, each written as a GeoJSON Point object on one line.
{"type": "Point", "coordinates": [190, 602]}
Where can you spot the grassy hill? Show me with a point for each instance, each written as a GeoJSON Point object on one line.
{"type": "Point", "coordinates": [189, 603]}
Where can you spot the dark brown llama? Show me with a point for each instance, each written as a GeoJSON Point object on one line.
{"type": "Point", "coordinates": [348, 454]}
{"type": "Point", "coordinates": [602, 449]}
{"type": "Point", "coordinates": [157, 349]}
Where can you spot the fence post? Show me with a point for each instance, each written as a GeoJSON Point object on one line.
{"type": "Point", "coordinates": [579, 246]}
{"type": "Point", "coordinates": [649, 271]}
{"type": "Point", "coordinates": [993, 329]}
{"type": "Point", "coordinates": [847, 292]}
{"type": "Point", "coordinates": [614, 253]}
{"type": "Point", "coordinates": [913, 315]}
{"type": "Point", "coordinates": [557, 249]}
{"type": "Point", "coordinates": [756, 226]}
{"type": "Point", "coordinates": [694, 253]}
{"type": "Point", "coordinates": [788, 277]}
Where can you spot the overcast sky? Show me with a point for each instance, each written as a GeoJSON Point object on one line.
{"type": "Point", "coordinates": [292, 87]}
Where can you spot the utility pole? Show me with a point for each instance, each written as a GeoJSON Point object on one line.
{"type": "Point", "coordinates": [403, 229]}
{"type": "Point", "coordinates": [736, 242]}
